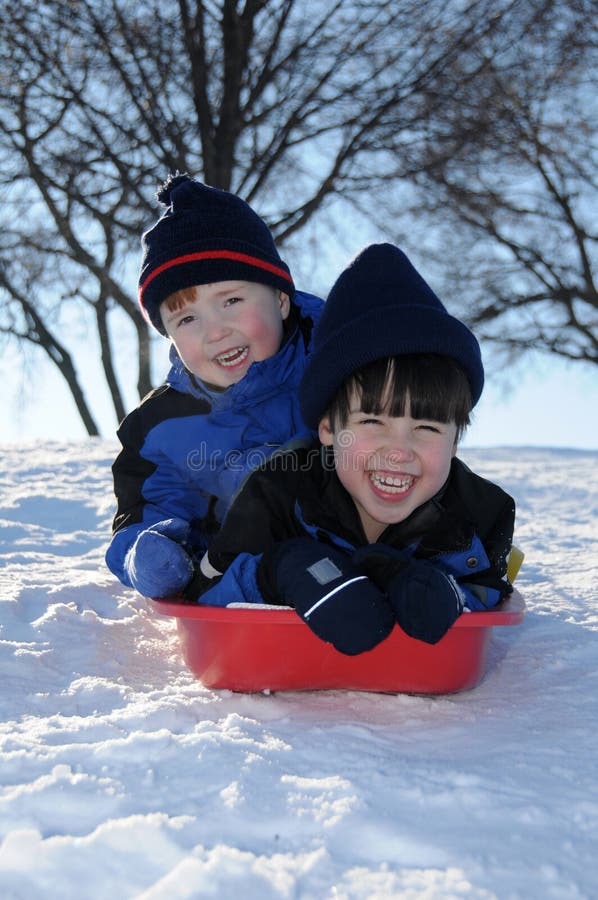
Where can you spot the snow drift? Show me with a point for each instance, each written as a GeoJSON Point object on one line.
{"type": "Point", "coordinates": [122, 775]}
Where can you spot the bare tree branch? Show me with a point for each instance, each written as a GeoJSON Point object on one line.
{"type": "Point", "coordinates": [466, 119]}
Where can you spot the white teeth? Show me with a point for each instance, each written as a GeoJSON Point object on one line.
{"type": "Point", "coordinates": [390, 484]}
{"type": "Point", "coordinates": [232, 357]}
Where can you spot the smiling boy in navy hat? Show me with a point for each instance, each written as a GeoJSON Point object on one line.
{"type": "Point", "coordinates": [382, 523]}
{"type": "Point", "coordinates": [213, 283]}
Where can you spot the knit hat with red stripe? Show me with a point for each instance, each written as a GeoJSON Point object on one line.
{"type": "Point", "coordinates": [205, 235]}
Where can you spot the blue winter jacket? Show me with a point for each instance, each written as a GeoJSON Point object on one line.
{"type": "Point", "coordinates": [466, 529]}
{"type": "Point", "coordinates": [186, 448]}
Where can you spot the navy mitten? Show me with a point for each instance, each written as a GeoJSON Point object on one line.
{"type": "Point", "coordinates": [156, 564]}
{"type": "Point", "coordinates": [426, 600]}
{"type": "Point", "coordinates": [332, 595]}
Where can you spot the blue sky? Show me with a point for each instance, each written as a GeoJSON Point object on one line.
{"type": "Point", "coordinates": [541, 403]}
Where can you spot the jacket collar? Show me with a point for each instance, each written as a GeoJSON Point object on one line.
{"type": "Point", "coordinates": [440, 524]}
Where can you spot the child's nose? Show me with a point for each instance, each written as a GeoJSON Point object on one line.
{"type": "Point", "coordinates": [402, 454]}
{"type": "Point", "coordinates": [399, 448]}
{"type": "Point", "coordinates": [215, 329]}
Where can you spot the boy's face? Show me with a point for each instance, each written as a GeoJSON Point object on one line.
{"type": "Point", "coordinates": [390, 466]}
{"type": "Point", "coordinates": [226, 327]}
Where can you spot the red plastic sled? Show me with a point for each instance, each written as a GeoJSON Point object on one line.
{"type": "Point", "coordinates": [245, 649]}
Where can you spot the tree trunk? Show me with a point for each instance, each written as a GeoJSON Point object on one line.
{"type": "Point", "coordinates": [107, 361]}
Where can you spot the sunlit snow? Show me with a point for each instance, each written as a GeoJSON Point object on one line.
{"type": "Point", "coordinates": [121, 776]}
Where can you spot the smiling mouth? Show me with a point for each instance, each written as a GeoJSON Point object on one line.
{"type": "Point", "coordinates": [232, 357]}
{"type": "Point", "coordinates": [391, 484]}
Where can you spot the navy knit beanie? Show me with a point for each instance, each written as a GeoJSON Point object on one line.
{"type": "Point", "coordinates": [381, 306]}
{"type": "Point", "coordinates": [205, 235]}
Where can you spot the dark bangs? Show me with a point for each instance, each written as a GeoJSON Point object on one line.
{"type": "Point", "coordinates": [435, 386]}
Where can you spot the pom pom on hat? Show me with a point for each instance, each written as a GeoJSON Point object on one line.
{"type": "Point", "coordinates": [380, 306]}
{"type": "Point", "coordinates": [205, 235]}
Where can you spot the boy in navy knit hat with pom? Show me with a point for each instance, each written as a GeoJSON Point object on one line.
{"type": "Point", "coordinates": [211, 281]}
{"type": "Point", "coordinates": [381, 523]}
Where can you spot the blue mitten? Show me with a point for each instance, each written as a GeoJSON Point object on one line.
{"type": "Point", "coordinates": [156, 564]}
{"type": "Point", "coordinates": [381, 563]}
{"type": "Point", "coordinates": [332, 595]}
{"type": "Point", "coordinates": [426, 600]}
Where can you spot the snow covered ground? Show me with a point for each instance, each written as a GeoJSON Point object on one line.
{"type": "Point", "coordinates": [121, 776]}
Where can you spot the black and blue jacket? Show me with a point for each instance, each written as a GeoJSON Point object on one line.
{"type": "Point", "coordinates": [187, 448]}
{"type": "Point", "coordinates": [466, 529]}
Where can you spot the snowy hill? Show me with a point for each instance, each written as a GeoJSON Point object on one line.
{"type": "Point", "coordinates": [121, 776]}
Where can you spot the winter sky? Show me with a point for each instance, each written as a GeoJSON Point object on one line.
{"type": "Point", "coordinates": [542, 403]}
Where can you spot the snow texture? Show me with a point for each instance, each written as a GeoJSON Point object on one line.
{"type": "Point", "coordinates": [121, 776]}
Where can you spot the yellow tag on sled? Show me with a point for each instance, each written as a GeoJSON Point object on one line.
{"type": "Point", "coordinates": [516, 557]}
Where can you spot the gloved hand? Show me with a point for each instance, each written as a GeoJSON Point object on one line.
{"type": "Point", "coordinates": [156, 564]}
{"type": "Point", "coordinates": [332, 595]}
{"type": "Point", "coordinates": [381, 563]}
{"type": "Point", "coordinates": [426, 600]}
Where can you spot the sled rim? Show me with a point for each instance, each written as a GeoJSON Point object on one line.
{"type": "Point", "coordinates": [509, 611]}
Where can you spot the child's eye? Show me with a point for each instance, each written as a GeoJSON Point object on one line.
{"type": "Point", "coordinates": [184, 320]}
{"type": "Point", "coordinates": [429, 426]}
{"type": "Point", "coordinates": [370, 420]}
{"type": "Point", "coordinates": [230, 301]}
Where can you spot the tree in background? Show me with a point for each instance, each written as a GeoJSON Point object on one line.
{"type": "Point", "coordinates": [291, 104]}
{"type": "Point", "coordinates": [516, 188]}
